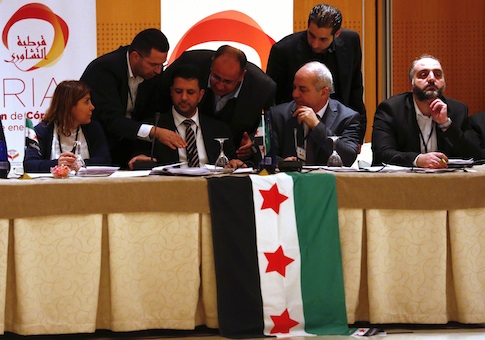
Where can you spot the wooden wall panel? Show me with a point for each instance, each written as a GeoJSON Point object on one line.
{"type": "Point", "coordinates": [359, 16]}
{"type": "Point", "coordinates": [118, 21]}
{"type": "Point", "coordinates": [454, 32]}
{"type": "Point", "coordinates": [351, 13]}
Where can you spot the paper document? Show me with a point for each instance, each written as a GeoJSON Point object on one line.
{"type": "Point", "coordinates": [97, 171]}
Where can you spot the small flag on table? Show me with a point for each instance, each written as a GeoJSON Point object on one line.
{"type": "Point", "coordinates": [277, 255]}
{"type": "Point", "coordinates": [30, 135]}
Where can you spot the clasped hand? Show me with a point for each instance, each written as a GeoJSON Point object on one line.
{"type": "Point", "coordinates": [307, 115]}
{"type": "Point", "coordinates": [439, 110]}
{"type": "Point", "coordinates": [432, 160]}
{"type": "Point", "coordinates": [68, 159]}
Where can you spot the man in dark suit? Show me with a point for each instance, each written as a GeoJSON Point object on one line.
{"type": "Point", "coordinates": [423, 128]}
{"type": "Point", "coordinates": [302, 127]}
{"type": "Point", "coordinates": [323, 41]}
{"type": "Point", "coordinates": [236, 92]}
{"type": "Point", "coordinates": [186, 93]}
{"type": "Point", "coordinates": [125, 87]}
{"type": "Point", "coordinates": [477, 122]}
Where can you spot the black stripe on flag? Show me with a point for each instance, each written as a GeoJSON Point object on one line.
{"type": "Point", "coordinates": [239, 301]}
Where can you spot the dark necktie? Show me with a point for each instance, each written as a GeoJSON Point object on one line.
{"type": "Point", "coordinates": [311, 149]}
{"type": "Point", "coordinates": [192, 154]}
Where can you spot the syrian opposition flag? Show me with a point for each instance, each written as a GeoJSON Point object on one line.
{"type": "Point", "coordinates": [30, 135]}
{"type": "Point", "coordinates": [277, 255]}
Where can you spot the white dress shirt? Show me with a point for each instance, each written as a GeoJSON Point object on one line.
{"type": "Point", "coordinates": [179, 125]}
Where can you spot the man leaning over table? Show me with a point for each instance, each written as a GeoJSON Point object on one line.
{"type": "Point", "coordinates": [423, 128]}
{"type": "Point", "coordinates": [302, 127]}
{"type": "Point", "coordinates": [186, 93]}
{"type": "Point", "coordinates": [236, 92]}
{"type": "Point", "coordinates": [125, 89]}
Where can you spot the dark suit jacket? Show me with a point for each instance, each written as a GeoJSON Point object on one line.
{"type": "Point", "coordinates": [36, 161]}
{"type": "Point", "coordinates": [211, 128]}
{"type": "Point", "coordinates": [395, 135]}
{"type": "Point", "coordinates": [107, 76]}
{"type": "Point", "coordinates": [477, 122]}
{"type": "Point", "coordinates": [242, 114]}
{"type": "Point", "coordinates": [337, 120]}
{"type": "Point", "coordinates": [293, 51]}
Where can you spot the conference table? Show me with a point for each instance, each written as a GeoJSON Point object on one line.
{"type": "Point", "coordinates": [134, 253]}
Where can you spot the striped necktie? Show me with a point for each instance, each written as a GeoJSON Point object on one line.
{"type": "Point", "coordinates": [192, 154]}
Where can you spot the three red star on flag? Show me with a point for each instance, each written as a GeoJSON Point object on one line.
{"type": "Point", "coordinates": [282, 323]}
{"type": "Point", "coordinates": [272, 198]}
{"type": "Point", "coordinates": [277, 261]}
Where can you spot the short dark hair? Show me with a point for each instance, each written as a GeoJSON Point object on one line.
{"type": "Point", "coordinates": [327, 16]}
{"type": "Point", "coordinates": [229, 50]}
{"type": "Point", "coordinates": [149, 39]}
{"type": "Point", "coordinates": [413, 64]}
{"type": "Point", "coordinates": [187, 72]}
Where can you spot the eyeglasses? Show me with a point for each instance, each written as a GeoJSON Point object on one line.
{"type": "Point", "coordinates": [154, 65]}
{"type": "Point", "coordinates": [218, 79]}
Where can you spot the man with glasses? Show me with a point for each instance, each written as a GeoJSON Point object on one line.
{"type": "Point", "coordinates": [184, 117]}
{"type": "Point", "coordinates": [236, 92]}
{"type": "Point", "coordinates": [125, 90]}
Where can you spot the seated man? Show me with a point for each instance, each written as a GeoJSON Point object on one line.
{"type": "Point", "coordinates": [325, 41]}
{"type": "Point", "coordinates": [236, 92]}
{"type": "Point", "coordinates": [198, 131]}
{"type": "Point", "coordinates": [423, 128]}
{"type": "Point", "coordinates": [302, 127]}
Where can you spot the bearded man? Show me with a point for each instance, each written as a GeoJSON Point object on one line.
{"type": "Point", "coordinates": [422, 128]}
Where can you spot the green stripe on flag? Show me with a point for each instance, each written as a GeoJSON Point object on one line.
{"type": "Point", "coordinates": [321, 260]}
{"type": "Point", "coordinates": [28, 124]}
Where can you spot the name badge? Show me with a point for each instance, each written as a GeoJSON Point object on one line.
{"type": "Point", "coordinates": [300, 153]}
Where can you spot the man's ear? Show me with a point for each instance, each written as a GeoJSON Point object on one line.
{"type": "Point", "coordinates": [337, 33]}
{"type": "Point", "coordinates": [201, 95]}
{"type": "Point", "coordinates": [325, 92]}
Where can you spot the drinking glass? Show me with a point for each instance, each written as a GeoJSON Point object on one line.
{"type": "Point", "coordinates": [222, 160]}
{"type": "Point", "coordinates": [79, 162]}
{"type": "Point", "coordinates": [334, 159]}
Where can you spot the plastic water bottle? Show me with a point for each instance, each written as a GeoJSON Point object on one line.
{"type": "Point", "coordinates": [4, 163]}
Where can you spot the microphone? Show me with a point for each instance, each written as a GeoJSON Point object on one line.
{"type": "Point", "coordinates": [148, 165]}
{"type": "Point", "coordinates": [157, 117]}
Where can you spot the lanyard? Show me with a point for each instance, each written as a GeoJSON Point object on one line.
{"type": "Point", "coordinates": [75, 142]}
{"type": "Point", "coordinates": [425, 143]}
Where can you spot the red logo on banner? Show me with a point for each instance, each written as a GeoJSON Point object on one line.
{"type": "Point", "coordinates": [32, 52]}
{"type": "Point", "coordinates": [227, 26]}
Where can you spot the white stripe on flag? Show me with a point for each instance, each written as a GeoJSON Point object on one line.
{"type": "Point", "coordinates": [272, 231]}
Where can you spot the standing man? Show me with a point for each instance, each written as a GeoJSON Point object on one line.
{"type": "Point", "coordinates": [236, 92]}
{"type": "Point", "coordinates": [423, 128]}
{"type": "Point", "coordinates": [199, 131]}
{"type": "Point", "coordinates": [323, 41]}
{"type": "Point", "coordinates": [302, 127]}
{"type": "Point", "coordinates": [125, 86]}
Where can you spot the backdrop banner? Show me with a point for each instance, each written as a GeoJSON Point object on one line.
{"type": "Point", "coordinates": [244, 24]}
{"type": "Point", "coordinates": [43, 43]}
